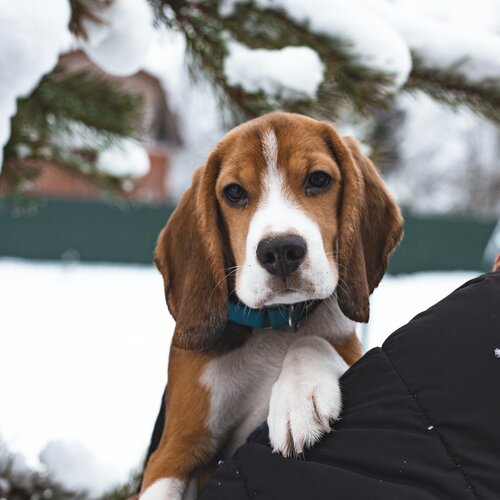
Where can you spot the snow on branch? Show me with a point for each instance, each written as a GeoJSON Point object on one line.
{"type": "Point", "coordinates": [444, 49]}
{"type": "Point", "coordinates": [291, 72]}
{"type": "Point", "coordinates": [118, 41]}
{"type": "Point", "coordinates": [443, 45]}
{"type": "Point", "coordinates": [377, 43]}
{"type": "Point", "coordinates": [116, 35]}
{"type": "Point", "coordinates": [32, 34]}
{"type": "Point", "coordinates": [384, 33]}
{"type": "Point", "coordinates": [126, 158]}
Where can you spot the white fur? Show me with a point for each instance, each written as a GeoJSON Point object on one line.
{"type": "Point", "coordinates": [278, 214]}
{"type": "Point", "coordinates": [170, 488]}
{"type": "Point", "coordinates": [240, 385]}
{"type": "Point", "coordinates": [306, 398]}
{"type": "Point", "coordinates": [240, 382]}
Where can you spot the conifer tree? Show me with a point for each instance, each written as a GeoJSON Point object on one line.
{"type": "Point", "coordinates": [70, 117]}
{"type": "Point", "coordinates": [349, 87]}
{"type": "Point", "coordinates": [347, 81]}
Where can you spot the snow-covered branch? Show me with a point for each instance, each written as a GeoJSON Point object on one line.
{"type": "Point", "coordinates": [275, 72]}
{"type": "Point", "coordinates": [459, 48]}
{"type": "Point", "coordinates": [32, 35]}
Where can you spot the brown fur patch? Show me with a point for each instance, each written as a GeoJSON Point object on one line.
{"type": "Point", "coordinates": [350, 350]}
{"type": "Point", "coordinates": [301, 149]}
{"type": "Point", "coordinates": [191, 254]}
{"type": "Point", "coordinates": [186, 443]}
{"type": "Point", "coordinates": [370, 226]}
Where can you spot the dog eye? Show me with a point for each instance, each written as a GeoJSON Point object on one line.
{"type": "Point", "coordinates": [236, 195]}
{"type": "Point", "coordinates": [317, 182]}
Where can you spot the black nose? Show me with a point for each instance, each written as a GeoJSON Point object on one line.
{"type": "Point", "coordinates": [282, 254]}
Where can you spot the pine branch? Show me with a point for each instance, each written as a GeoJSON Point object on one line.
{"type": "Point", "coordinates": [93, 101]}
{"type": "Point", "coordinates": [453, 89]}
{"type": "Point", "coordinates": [86, 10]}
{"type": "Point", "coordinates": [347, 81]}
{"type": "Point", "coordinates": [68, 119]}
{"type": "Point", "coordinates": [348, 84]}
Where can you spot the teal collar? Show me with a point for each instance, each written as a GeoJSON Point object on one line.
{"type": "Point", "coordinates": [269, 317]}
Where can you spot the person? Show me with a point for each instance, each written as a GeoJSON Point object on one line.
{"type": "Point", "coordinates": [421, 417]}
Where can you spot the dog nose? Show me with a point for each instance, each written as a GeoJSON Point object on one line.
{"type": "Point", "coordinates": [281, 254]}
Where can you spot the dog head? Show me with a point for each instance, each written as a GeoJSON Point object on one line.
{"type": "Point", "coordinates": [284, 210]}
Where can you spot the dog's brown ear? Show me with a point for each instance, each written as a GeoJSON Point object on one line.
{"type": "Point", "coordinates": [189, 254]}
{"type": "Point", "coordinates": [370, 226]}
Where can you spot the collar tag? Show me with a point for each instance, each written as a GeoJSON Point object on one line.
{"type": "Point", "coordinates": [290, 315]}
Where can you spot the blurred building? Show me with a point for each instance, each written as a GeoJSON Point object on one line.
{"type": "Point", "coordinates": [160, 135]}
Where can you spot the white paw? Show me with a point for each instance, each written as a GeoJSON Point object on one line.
{"type": "Point", "coordinates": [305, 400]}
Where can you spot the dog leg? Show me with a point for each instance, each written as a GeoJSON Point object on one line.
{"type": "Point", "coordinates": [306, 397]}
{"type": "Point", "coordinates": [186, 444]}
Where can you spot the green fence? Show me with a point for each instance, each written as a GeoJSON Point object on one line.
{"type": "Point", "coordinates": [92, 231]}
{"type": "Point", "coordinates": [441, 243]}
{"type": "Point", "coordinates": [98, 231]}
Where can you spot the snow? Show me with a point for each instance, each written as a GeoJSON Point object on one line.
{"type": "Point", "coordinates": [32, 34]}
{"type": "Point", "coordinates": [72, 464]}
{"type": "Point", "coordinates": [125, 158]}
{"type": "Point", "coordinates": [447, 34]}
{"type": "Point", "coordinates": [194, 103]}
{"type": "Point", "coordinates": [375, 41]}
{"type": "Point", "coordinates": [83, 357]}
{"type": "Point", "coordinates": [399, 298]}
{"type": "Point", "coordinates": [481, 15]}
{"type": "Point", "coordinates": [443, 41]}
{"type": "Point", "coordinates": [291, 72]}
{"type": "Point", "coordinates": [119, 44]}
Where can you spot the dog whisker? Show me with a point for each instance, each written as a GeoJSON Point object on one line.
{"type": "Point", "coordinates": [232, 271]}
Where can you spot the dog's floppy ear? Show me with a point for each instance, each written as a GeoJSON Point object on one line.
{"type": "Point", "coordinates": [370, 226]}
{"type": "Point", "coordinates": [189, 254]}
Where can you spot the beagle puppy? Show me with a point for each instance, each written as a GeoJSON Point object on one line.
{"type": "Point", "coordinates": [268, 261]}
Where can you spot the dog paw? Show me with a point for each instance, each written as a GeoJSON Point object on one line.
{"type": "Point", "coordinates": [305, 400]}
{"type": "Point", "coordinates": [301, 412]}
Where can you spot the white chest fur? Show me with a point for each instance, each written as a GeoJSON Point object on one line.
{"type": "Point", "coordinates": [241, 381]}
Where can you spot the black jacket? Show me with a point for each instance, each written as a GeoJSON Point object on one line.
{"type": "Point", "coordinates": [421, 418]}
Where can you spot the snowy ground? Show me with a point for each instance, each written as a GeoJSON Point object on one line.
{"type": "Point", "coordinates": [83, 353]}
